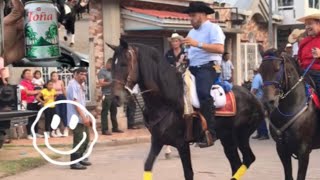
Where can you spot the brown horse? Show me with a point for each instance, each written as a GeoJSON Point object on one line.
{"type": "Point", "coordinates": [164, 108]}
{"type": "Point", "coordinates": [294, 124]}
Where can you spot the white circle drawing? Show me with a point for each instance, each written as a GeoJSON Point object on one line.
{"type": "Point", "coordinates": [45, 156]}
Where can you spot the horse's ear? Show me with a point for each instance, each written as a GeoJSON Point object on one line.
{"type": "Point", "coordinates": [124, 43]}
{"type": "Point", "coordinates": [113, 47]}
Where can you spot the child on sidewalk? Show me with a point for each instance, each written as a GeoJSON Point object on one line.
{"type": "Point", "coordinates": [37, 80]}
{"type": "Point", "coordinates": [45, 97]}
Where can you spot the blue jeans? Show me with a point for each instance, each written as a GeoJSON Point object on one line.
{"type": "Point", "coordinates": [262, 129]}
{"type": "Point", "coordinates": [205, 77]}
{"type": "Point", "coordinates": [61, 109]}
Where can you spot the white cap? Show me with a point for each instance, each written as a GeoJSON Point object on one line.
{"type": "Point", "coordinates": [288, 45]}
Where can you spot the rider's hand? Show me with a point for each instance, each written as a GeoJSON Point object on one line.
{"type": "Point", "coordinates": [190, 42]}
{"type": "Point", "coordinates": [316, 52]}
{"type": "Point", "coordinates": [13, 34]}
{"type": "Point", "coordinates": [86, 121]}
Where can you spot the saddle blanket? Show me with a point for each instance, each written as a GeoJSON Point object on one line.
{"type": "Point", "coordinates": [315, 99]}
{"type": "Point", "coordinates": [230, 109]}
{"type": "Point", "coordinates": [225, 103]}
{"type": "Point", "coordinates": [310, 92]}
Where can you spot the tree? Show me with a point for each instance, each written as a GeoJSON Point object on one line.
{"type": "Point", "coordinates": [53, 51]}
{"type": "Point", "coordinates": [53, 30]}
{"type": "Point", "coordinates": [30, 34]}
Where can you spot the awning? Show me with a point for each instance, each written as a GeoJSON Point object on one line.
{"type": "Point", "coordinates": [137, 19]}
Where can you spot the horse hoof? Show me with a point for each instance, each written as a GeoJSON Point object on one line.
{"type": "Point", "coordinates": [167, 155]}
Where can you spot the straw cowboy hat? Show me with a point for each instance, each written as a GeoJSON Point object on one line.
{"type": "Point", "coordinates": [311, 16]}
{"type": "Point", "coordinates": [295, 34]}
{"type": "Point", "coordinates": [198, 6]}
{"type": "Point", "coordinates": [175, 36]}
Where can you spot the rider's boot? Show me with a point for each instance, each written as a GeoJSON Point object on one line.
{"type": "Point", "coordinates": [207, 109]}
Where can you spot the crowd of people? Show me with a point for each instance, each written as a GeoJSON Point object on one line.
{"type": "Point", "coordinates": [36, 93]}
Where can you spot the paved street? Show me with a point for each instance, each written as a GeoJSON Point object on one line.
{"type": "Point", "coordinates": [126, 163]}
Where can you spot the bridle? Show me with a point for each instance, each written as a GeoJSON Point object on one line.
{"type": "Point", "coordinates": [280, 84]}
{"type": "Point", "coordinates": [133, 75]}
{"type": "Point", "coordinates": [281, 78]}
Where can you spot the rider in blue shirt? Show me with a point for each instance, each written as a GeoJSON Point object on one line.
{"type": "Point", "coordinates": [206, 41]}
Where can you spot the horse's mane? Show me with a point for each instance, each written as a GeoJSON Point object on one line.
{"type": "Point", "coordinates": [155, 70]}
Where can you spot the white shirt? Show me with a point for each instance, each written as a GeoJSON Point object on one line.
{"type": "Point", "coordinates": [295, 49]}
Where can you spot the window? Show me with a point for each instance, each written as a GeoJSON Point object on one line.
{"type": "Point", "coordinates": [314, 4]}
{"type": "Point", "coordinates": [65, 74]}
{"type": "Point", "coordinates": [216, 16]}
{"type": "Point", "coordinates": [285, 3]}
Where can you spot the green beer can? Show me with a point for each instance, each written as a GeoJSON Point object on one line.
{"type": "Point", "coordinates": [41, 31]}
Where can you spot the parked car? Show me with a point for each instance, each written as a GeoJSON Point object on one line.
{"type": "Point", "coordinates": [69, 58]}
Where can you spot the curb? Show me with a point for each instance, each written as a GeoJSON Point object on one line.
{"type": "Point", "coordinates": [106, 143]}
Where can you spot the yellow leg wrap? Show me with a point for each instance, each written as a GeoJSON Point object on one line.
{"type": "Point", "coordinates": [241, 171]}
{"type": "Point", "coordinates": [147, 175]}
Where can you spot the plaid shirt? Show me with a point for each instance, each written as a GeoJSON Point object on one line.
{"type": "Point", "coordinates": [226, 68]}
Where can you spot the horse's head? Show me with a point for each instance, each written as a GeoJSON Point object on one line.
{"type": "Point", "coordinates": [125, 69]}
{"type": "Point", "coordinates": [272, 70]}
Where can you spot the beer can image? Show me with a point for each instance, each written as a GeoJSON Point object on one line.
{"type": "Point", "coordinates": [41, 31]}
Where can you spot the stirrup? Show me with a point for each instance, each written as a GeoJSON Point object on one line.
{"type": "Point", "coordinates": [209, 140]}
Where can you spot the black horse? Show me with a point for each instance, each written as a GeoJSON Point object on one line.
{"type": "Point", "coordinates": [294, 123]}
{"type": "Point", "coordinates": [79, 9]}
{"type": "Point", "coordinates": [164, 108]}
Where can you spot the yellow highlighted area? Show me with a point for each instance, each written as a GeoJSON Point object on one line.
{"type": "Point", "coordinates": [147, 175]}
{"type": "Point", "coordinates": [241, 171]}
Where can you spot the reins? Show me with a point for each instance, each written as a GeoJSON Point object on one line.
{"type": "Point", "coordinates": [278, 85]}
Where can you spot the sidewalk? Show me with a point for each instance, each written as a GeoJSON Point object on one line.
{"type": "Point", "coordinates": [128, 137]}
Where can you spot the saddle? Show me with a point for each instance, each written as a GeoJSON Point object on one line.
{"type": "Point", "coordinates": [196, 124]}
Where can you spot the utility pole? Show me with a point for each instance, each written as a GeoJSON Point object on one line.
{"type": "Point", "coordinates": [270, 28]}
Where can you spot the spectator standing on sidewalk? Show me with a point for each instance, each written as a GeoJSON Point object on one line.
{"type": "Point", "coordinates": [226, 68]}
{"type": "Point", "coordinates": [30, 93]}
{"type": "Point", "coordinates": [61, 109]}
{"type": "Point", "coordinates": [108, 103]}
{"type": "Point", "coordinates": [256, 89]}
{"type": "Point", "coordinates": [46, 96]}
{"type": "Point", "coordinates": [76, 92]}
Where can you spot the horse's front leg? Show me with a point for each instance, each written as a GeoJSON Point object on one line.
{"type": "Point", "coordinates": [285, 157]}
{"type": "Point", "coordinates": [184, 152]}
{"type": "Point", "coordinates": [154, 152]}
{"type": "Point", "coordinates": [303, 165]}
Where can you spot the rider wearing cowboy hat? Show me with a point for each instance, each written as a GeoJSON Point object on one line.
{"type": "Point", "coordinates": [206, 41]}
{"type": "Point", "coordinates": [294, 38]}
{"type": "Point", "coordinates": [309, 47]}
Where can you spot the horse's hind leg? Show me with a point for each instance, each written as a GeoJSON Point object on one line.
{"type": "Point", "coordinates": [244, 146]}
{"type": "Point", "coordinates": [303, 165]}
{"type": "Point", "coordinates": [184, 152]}
{"type": "Point", "coordinates": [248, 156]}
{"type": "Point", "coordinates": [285, 157]}
{"type": "Point", "coordinates": [154, 152]}
{"type": "Point", "coordinates": [231, 151]}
